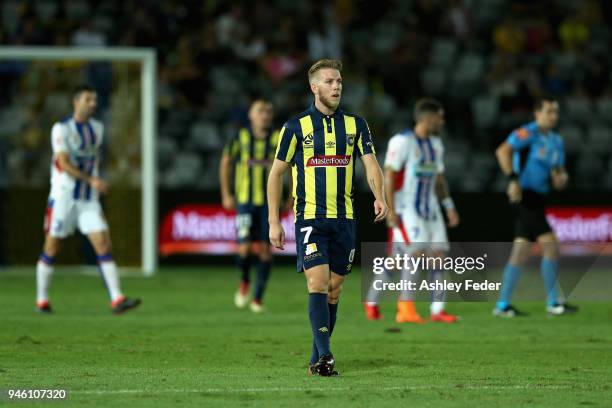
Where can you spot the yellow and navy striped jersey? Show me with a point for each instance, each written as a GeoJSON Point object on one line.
{"type": "Point", "coordinates": [252, 157]}
{"type": "Point", "coordinates": [322, 150]}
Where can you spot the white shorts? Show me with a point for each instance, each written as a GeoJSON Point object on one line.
{"type": "Point", "coordinates": [415, 233]}
{"type": "Point", "coordinates": [64, 214]}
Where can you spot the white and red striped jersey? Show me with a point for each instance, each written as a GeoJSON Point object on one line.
{"type": "Point", "coordinates": [417, 162]}
{"type": "Point", "coordinates": [82, 142]}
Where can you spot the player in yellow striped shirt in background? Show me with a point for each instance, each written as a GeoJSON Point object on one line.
{"type": "Point", "coordinates": [249, 156]}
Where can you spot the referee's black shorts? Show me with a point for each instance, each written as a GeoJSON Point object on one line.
{"type": "Point", "coordinates": [530, 218]}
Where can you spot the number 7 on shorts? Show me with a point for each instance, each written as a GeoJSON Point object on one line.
{"type": "Point", "coordinates": [308, 231]}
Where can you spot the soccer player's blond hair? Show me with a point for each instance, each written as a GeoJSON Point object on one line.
{"type": "Point", "coordinates": [322, 64]}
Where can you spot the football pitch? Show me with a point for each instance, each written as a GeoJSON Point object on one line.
{"type": "Point", "coordinates": [187, 345]}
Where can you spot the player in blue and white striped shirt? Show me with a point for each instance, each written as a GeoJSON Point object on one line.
{"type": "Point", "coordinates": [415, 188]}
{"type": "Point", "coordinates": [74, 199]}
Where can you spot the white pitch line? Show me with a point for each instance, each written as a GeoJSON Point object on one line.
{"type": "Point", "coordinates": [322, 389]}
{"type": "Point", "coordinates": [70, 270]}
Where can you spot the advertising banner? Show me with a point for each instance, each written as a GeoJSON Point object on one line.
{"type": "Point", "coordinates": [208, 229]}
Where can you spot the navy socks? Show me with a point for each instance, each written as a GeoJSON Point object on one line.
{"type": "Point", "coordinates": [263, 273]}
{"type": "Point", "coordinates": [244, 265]}
{"type": "Point", "coordinates": [318, 311]}
{"type": "Point", "coordinates": [333, 311]}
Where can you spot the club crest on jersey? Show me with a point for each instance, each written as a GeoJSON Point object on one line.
{"type": "Point", "coordinates": [350, 139]}
{"type": "Point", "coordinates": [309, 140]}
{"type": "Point", "coordinates": [542, 152]}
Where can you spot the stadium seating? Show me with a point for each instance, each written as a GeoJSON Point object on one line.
{"type": "Point", "coordinates": [600, 139]}
{"type": "Point", "coordinates": [578, 109]}
{"type": "Point", "coordinates": [604, 109]}
{"type": "Point", "coordinates": [453, 70]}
{"type": "Point", "coordinates": [433, 81]}
{"type": "Point", "coordinates": [573, 138]}
{"type": "Point", "coordinates": [443, 52]}
{"type": "Point", "coordinates": [485, 110]}
{"type": "Point", "coordinates": [205, 136]}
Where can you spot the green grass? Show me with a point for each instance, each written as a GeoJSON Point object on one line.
{"type": "Point", "coordinates": [188, 346]}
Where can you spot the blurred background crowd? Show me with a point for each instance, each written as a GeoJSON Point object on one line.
{"type": "Point", "coordinates": [486, 60]}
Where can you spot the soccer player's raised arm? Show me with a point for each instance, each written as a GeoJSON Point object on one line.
{"type": "Point", "coordinates": [275, 190]}
{"type": "Point", "coordinates": [375, 181]}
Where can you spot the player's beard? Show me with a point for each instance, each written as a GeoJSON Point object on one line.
{"type": "Point", "coordinates": [86, 113]}
{"type": "Point", "coordinates": [328, 103]}
{"type": "Point", "coordinates": [435, 129]}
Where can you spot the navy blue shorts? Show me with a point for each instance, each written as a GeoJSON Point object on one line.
{"type": "Point", "coordinates": [325, 241]}
{"type": "Point", "coordinates": [252, 223]}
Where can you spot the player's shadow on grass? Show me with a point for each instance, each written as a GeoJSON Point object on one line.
{"type": "Point", "coordinates": [27, 340]}
{"type": "Point", "coordinates": [365, 363]}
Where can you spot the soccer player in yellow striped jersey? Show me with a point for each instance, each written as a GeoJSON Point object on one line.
{"type": "Point", "coordinates": [321, 145]}
{"type": "Point", "coordinates": [249, 155]}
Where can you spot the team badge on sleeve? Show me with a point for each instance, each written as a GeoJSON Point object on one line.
{"type": "Point", "coordinates": [309, 140]}
{"type": "Point", "coordinates": [522, 133]}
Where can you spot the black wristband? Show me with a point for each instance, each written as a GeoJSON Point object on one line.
{"type": "Point", "coordinates": [513, 176]}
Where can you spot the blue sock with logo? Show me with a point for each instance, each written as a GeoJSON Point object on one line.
{"type": "Point", "coordinates": [333, 311]}
{"type": "Point", "coordinates": [511, 276]}
{"type": "Point", "coordinates": [263, 273]}
{"type": "Point", "coordinates": [318, 312]}
{"type": "Point", "coordinates": [549, 269]}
